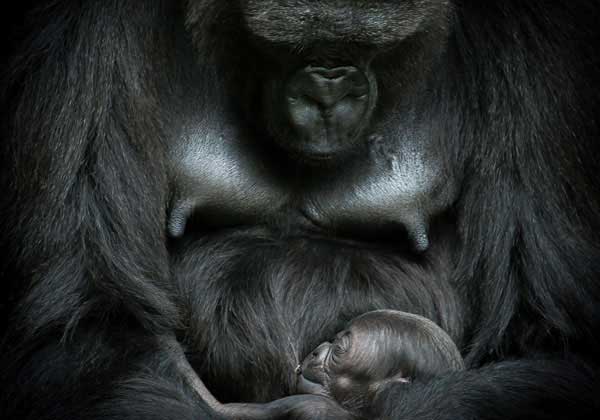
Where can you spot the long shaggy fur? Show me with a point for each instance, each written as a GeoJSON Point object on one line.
{"type": "Point", "coordinates": [89, 281]}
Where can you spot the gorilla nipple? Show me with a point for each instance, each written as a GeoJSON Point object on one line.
{"type": "Point", "coordinates": [178, 217]}
{"type": "Point", "coordinates": [418, 235]}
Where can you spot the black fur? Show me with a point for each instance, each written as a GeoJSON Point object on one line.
{"type": "Point", "coordinates": [90, 280]}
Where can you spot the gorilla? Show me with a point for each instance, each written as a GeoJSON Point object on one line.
{"type": "Point", "coordinates": [375, 351]}
{"type": "Point", "coordinates": [209, 189]}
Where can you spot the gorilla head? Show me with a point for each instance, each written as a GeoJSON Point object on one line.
{"type": "Point", "coordinates": [317, 78]}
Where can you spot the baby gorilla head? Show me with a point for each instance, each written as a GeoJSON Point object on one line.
{"type": "Point", "coordinates": [377, 348]}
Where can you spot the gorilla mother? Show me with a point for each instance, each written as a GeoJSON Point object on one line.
{"type": "Point", "coordinates": [252, 174]}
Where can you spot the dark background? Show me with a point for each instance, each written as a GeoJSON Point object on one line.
{"type": "Point", "coordinates": [14, 27]}
{"type": "Point", "coordinates": [13, 30]}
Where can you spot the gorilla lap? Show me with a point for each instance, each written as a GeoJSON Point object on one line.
{"type": "Point", "coordinates": [291, 303]}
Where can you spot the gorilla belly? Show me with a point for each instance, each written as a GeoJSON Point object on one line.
{"type": "Point", "coordinates": [256, 301]}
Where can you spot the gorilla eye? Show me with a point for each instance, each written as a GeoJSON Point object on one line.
{"type": "Point", "coordinates": [340, 346]}
{"type": "Point", "coordinates": [338, 349]}
{"type": "Point", "coordinates": [336, 353]}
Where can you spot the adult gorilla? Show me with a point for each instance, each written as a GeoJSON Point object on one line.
{"type": "Point", "coordinates": [252, 174]}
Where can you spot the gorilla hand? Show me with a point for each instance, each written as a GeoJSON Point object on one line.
{"type": "Point", "coordinates": [295, 407]}
{"type": "Point", "coordinates": [305, 407]}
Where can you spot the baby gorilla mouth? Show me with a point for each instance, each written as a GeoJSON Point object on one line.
{"type": "Point", "coordinates": [311, 376]}
{"type": "Point", "coordinates": [309, 386]}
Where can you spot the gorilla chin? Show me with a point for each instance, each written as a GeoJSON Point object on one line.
{"type": "Point", "coordinates": [327, 109]}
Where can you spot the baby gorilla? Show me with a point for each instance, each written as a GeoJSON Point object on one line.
{"type": "Point", "coordinates": [376, 349]}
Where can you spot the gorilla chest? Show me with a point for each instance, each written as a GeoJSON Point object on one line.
{"type": "Point", "coordinates": [257, 304]}
{"type": "Point", "coordinates": [392, 187]}
{"type": "Point", "coordinates": [287, 251]}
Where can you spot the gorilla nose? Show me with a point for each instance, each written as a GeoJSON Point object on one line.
{"type": "Point", "coordinates": [312, 367]}
{"type": "Point", "coordinates": [327, 108]}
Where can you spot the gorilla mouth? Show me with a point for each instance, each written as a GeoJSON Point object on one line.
{"type": "Point", "coordinates": [305, 386]}
{"type": "Point", "coordinates": [308, 382]}
{"type": "Point", "coordinates": [326, 109]}
{"type": "Point", "coordinates": [314, 157]}
{"type": "Point", "coordinates": [311, 375]}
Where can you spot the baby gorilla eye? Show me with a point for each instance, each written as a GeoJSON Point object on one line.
{"type": "Point", "coordinates": [339, 347]}
{"type": "Point", "coordinates": [338, 350]}
{"type": "Point", "coordinates": [336, 353]}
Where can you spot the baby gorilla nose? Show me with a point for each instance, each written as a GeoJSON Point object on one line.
{"type": "Point", "coordinates": [327, 108]}
{"type": "Point", "coordinates": [310, 374]}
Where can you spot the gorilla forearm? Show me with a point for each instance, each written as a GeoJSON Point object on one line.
{"type": "Point", "coordinates": [95, 376]}
{"type": "Point", "coordinates": [152, 398]}
{"type": "Point", "coordinates": [534, 389]}
{"type": "Point", "coordinates": [293, 407]}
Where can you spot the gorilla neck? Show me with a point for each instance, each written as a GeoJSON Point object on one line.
{"type": "Point", "coordinates": [231, 283]}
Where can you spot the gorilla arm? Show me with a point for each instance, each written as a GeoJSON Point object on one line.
{"type": "Point", "coordinates": [542, 388]}
{"type": "Point", "coordinates": [536, 389]}
{"type": "Point", "coordinates": [295, 407]}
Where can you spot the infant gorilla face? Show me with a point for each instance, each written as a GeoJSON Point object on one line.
{"type": "Point", "coordinates": [375, 349]}
{"type": "Point", "coordinates": [342, 367]}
